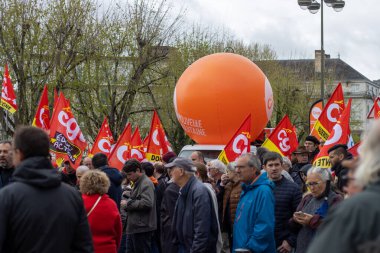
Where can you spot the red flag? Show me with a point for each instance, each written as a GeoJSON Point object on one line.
{"type": "Point", "coordinates": [42, 117]}
{"type": "Point", "coordinates": [376, 110]}
{"type": "Point", "coordinates": [145, 143]}
{"type": "Point", "coordinates": [283, 139]}
{"type": "Point", "coordinates": [8, 96]}
{"type": "Point", "coordinates": [314, 113]}
{"type": "Point", "coordinates": [240, 143]}
{"type": "Point", "coordinates": [157, 141]}
{"type": "Point", "coordinates": [137, 147]}
{"type": "Point", "coordinates": [339, 135]}
{"type": "Point", "coordinates": [122, 150]}
{"type": "Point", "coordinates": [330, 114]}
{"type": "Point", "coordinates": [67, 140]}
{"type": "Point", "coordinates": [104, 141]}
{"type": "Point", "coordinates": [354, 150]}
{"type": "Point", "coordinates": [371, 112]}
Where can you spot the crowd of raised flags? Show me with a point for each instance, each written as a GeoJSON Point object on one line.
{"type": "Point", "coordinates": [68, 142]}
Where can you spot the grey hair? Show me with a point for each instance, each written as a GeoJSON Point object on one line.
{"type": "Point", "coordinates": [219, 165]}
{"type": "Point", "coordinates": [287, 161]}
{"type": "Point", "coordinates": [231, 166]}
{"type": "Point", "coordinates": [253, 160]}
{"type": "Point", "coordinates": [324, 174]}
{"type": "Point", "coordinates": [368, 170]}
{"type": "Point", "coordinates": [82, 168]}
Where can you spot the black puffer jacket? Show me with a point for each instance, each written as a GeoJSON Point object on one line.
{"type": "Point", "coordinates": [287, 196]}
{"type": "Point", "coordinates": [40, 214]}
{"type": "Point", "coordinates": [166, 214]}
{"type": "Point", "coordinates": [194, 219]}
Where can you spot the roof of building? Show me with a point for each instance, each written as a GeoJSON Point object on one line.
{"type": "Point", "coordinates": [336, 69]}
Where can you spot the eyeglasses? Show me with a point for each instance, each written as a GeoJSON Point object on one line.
{"type": "Point", "coordinates": [309, 184]}
{"type": "Point", "coordinates": [241, 167]}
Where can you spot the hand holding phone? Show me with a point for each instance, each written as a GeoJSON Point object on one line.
{"type": "Point", "coordinates": [299, 214]}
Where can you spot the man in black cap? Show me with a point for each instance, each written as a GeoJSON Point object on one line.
{"type": "Point", "coordinates": [194, 222]}
{"type": "Point", "coordinates": [312, 145]}
{"type": "Point", "coordinates": [302, 157]}
{"type": "Point", "coordinates": [337, 154]}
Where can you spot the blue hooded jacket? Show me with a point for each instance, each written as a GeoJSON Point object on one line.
{"type": "Point", "coordinates": [254, 220]}
{"type": "Point", "coordinates": [115, 187]}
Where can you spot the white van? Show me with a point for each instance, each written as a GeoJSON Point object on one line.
{"type": "Point", "coordinates": [210, 152]}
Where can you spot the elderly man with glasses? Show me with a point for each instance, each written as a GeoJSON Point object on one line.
{"type": "Point", "coordinates": [254, 221]}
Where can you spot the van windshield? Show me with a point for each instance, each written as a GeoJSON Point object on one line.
{"type": "Point", "coordinates": [208, 154]}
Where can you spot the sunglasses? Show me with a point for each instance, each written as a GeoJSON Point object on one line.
{"type": "Point", "coordinates": [309, 184]}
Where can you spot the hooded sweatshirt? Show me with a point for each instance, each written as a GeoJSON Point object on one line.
{"type": "Point", "coordinates": [39, 214]}
{"type": "Point", "coordinates": [254, 220]}
{"type": "Point", "coordinates": [114, 192]}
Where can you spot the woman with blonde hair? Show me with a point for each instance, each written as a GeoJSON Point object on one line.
{"type": "Point", "coordinates": [102, 213]}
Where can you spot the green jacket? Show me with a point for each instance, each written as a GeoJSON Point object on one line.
{"type": "Point", "coordinates": [352, 225]}
{"type": "Point", "coordinates": [141, 208]}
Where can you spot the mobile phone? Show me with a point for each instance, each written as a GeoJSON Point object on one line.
{"type": "Point", "coordinates": [299, 213]}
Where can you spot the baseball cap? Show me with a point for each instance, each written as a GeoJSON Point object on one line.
{"type": "Point", "coordinates": [181, 162]}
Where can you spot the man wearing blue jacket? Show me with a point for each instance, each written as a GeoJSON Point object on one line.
{"type": "Point", "coordinates": [254, 220]}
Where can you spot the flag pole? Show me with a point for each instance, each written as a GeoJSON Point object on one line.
{"type": "Point", "coordinates": [6, 124]}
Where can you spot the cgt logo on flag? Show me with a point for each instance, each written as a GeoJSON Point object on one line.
{"type": "Point", "coordinates": [330, 114]}
{"type": "Point", "coordinates": [137, 152]}
{"type": "Point", "coordinates": [70, 124]}
{"type": "Point", "coordinates": [66, 134]}
{"type": "Point", "coordinates": [241, 143]}
{"type": "Point", "coordinates": [238, 144]}
{"type": "Point", "coordinates": [104, 145]}
{"type": "Point", "coordinates": [122, 152]}
{"type": "Point", "coordinates": [339, 135]}
{"type": "Point", "coordinates": [8, 97]}
{"type": "Point", "coordinates": [284, 139]}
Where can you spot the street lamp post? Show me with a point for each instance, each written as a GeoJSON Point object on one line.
{"type": "Point", "coordinates": [313, 6]}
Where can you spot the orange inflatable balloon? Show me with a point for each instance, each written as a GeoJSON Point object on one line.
{"type": "Point", "coordinates": [217, 92]}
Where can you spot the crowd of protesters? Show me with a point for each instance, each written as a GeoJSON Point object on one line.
{"type": "Point", "coordinates": [259, 203]}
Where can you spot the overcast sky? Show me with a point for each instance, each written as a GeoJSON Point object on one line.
{"type": "Point", "coordinates": [353, 34]}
